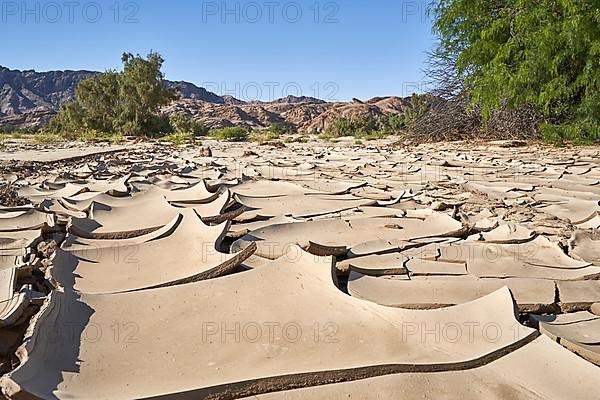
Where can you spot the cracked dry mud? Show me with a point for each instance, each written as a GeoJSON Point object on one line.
{"type": "Point", "coordinates": [314, 270]}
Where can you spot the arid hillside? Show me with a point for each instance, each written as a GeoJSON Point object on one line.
{"type": "Point", "coordinates": [307, 116]}
{"type": "Point", "coordinates": [29, 99]}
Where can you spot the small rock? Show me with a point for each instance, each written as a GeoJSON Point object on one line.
{"type": "Point", "coordinates": [439, 206]}
{"type": "Point", "coordinates": [44, 265]}
{"type": "Point", "coordinates": [10, 198]}
{"type": "Point", "coordinates": [46, 249]}
{"type": "Point", "coordinates": [275, 143]}
{"type": "Point", "coordinates": [205, 151]}
{"type": "Point", "coordinates": [512, 143]}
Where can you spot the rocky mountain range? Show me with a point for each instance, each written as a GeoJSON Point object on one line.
{"type": "Point", "coordinates": [305, 116]}
{"type": "Point", "coordinates": [29, 99]}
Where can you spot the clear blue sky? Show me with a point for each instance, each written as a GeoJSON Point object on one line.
{"type": "Point", "coordinates": [249, 49]}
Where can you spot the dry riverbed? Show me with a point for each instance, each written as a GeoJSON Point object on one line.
{"type": "Point", "coordinates": [300, 270]}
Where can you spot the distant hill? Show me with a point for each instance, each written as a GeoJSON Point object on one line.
{"type": "Point", "coordinates": [29, 99]}
{"type": "Point", "coordinates": [305, 116]}
{"type": "Point", "coordinates": [190, 91]}
{"type": "Point", "coordinates": [23, 91]}
{"type": "Point", "coordinates": [296, 100]}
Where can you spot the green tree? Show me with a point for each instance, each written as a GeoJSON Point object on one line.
{"type": "Point", "coordinates": [516, 52]}
{"type": "Point", "coordinates": [97, 102]}
{"type": "Point", "coordinates": [126, 102]}
{"type": "Point", "coordinates": [141, 94]}
{"type": "Point", "coordinates": [181, 123]}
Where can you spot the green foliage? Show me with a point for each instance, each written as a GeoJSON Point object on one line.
{"type": "Point", "coordinates": [375, 135]}
{"type": "Point", "coordinates": [232, 134]}
{"type": "Point", "coordinates": [343, 126]}
{"type": "Point", "coordinates": [263, 136]}
{"type": "Point", "coordinates": [279, 130]}
{"type": "Point", "coordinates": [124, 102]}
{"type": "Point", "coordinates": [367, 126]}
{"type": "Point", "coordinates": [297, 139]}
{"type": "Point", "coordinates": [4, 129]}
{"type": "Point", "coordinates": [47, 138]}
{"type": "Point", "coordinates": [395, 123]}
{"type": "Point", "coordinates": [18, 135]}
{"type": "Point", "coordinates": [93, 136]}
{"type": "Point", "coordinates": [274, 132]}
{"type": "Point", "coordinates": [327, 135]}
{"type": "Point", "coordinates": [419, 105]}
{"type": "Point", "coordinates": [178, 138]}
{"type": "Point", "coordinates": [181, 123]}
{"type": "Point", "coordinates": [516, 52]}
{"type": "Point", "coordinates": [580, 132]}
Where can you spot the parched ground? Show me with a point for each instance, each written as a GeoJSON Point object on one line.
{"type": "Point", "coordinates": [403, 270]}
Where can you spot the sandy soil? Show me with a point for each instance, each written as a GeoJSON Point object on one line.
{"type": "Point", "coordinates": [372, 251]}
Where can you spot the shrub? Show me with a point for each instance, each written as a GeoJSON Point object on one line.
{"type": "Point", "coordinates": [178, 138]}
{"type": "Point", "coordinates": [341, 126]}
{"type": "Point", "coordinates": [576, 133]}
{"type": "Point", "coordinates": [266, 135]}
{"type": "Point", "coordinates": [274, 132]}
{"type": "Point", "coordinates": [327, 135]}
{"type": "Point", "coordinates": [375, 135]}
{"type": "Point", "coordinates": [232, 134]}
{"type": "Point", "coordinates": [280, 129]}
{"type": "Point", "coordinates": [262, 136]}
{"type": "Point", "coordinates": [93, 136]}
{"type": "Point", "coordinates": [395, 123]}
{"type": "Point", "coordinates": [366, 126]}
{"type": "Point", "coordinates": [181, 123]}
{"type": "Point", "coordinates": [419, 105]}
{"type": "Point", "coordinates": [47, 138]}
{"type": "Point", "coordinates": [18, 135]}
{"type": "Point", "coordinates": [297, 139]}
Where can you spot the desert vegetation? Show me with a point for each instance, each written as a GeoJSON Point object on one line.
{"type": "Point", "coordinates": [371, 127]}
{"type": "Point", "coordinates": [515, 67]}
{"type": "Point", "coordinates": [232, 134]}
{"type": "Point", "coordinates": [274, 132]}
{"type": "Point", "coordinates": [125, 103]}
